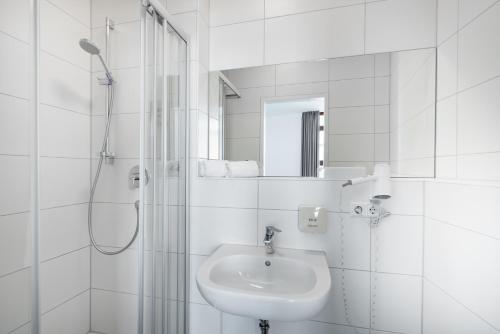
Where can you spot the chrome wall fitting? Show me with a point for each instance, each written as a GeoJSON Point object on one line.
{"type": "Point", "coordinates": [134, 177]}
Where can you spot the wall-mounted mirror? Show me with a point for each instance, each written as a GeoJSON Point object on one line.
{"type": "Point", "coordinates": [297, 119]}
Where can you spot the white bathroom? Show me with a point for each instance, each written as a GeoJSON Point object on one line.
{"type": "Point", "coordinates": [249, 166]}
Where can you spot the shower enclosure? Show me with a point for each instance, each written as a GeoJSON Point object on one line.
{"type": "Point", "coordinates": [92, 149]}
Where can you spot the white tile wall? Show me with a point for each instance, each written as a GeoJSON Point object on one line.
{"type": "Point", "coordinates": [73, 318]}
{"type": "Point", "coordinates": [321, 29]}
{"type": "Point", "coordinates": [238, 45]}
{"type": "Point", "coordinates": [63, 278]}
{"type": "Point", "coordinates": [448, 248]}
{"type": "Point", "coordinates": [13, 69]}
{"type": "Point", "coordinates": [287, 7]}
{"type": "Point", "coordinates": [400, 25]}
{"type": "Point", "coordinates": [224, 12]}
{"type": "Point", "coordinates": [443, 314]}
{"type": "Point", "coordinates": [396, 303]}
{"type": "Point", "coordinates": [113, 313]}
{"type": "Point", "coordinates": [13, 19]}
{"type": "Point", "coordinates": [207, 223]}
{"type": "Point", "coordinates": [349, 302]}
{"type": "Point", "coordinates": [321, 34]}
{"type": "Point", "coordinates": [15, 287]}
{"type": "Point", "coordinates": [459, 228]}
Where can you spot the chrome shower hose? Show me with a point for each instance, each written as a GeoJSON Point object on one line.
{"type": "Point", "coordinates": [94, 185]}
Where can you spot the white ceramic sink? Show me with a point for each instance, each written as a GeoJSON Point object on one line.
{"type": "Point", "coordinates": [294, 285]}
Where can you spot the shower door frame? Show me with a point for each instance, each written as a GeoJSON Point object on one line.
{"type": "Point", "coordinates": [160, 12]}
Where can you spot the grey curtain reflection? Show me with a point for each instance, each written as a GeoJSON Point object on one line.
{"type": "Point", "coordinates": [310, 142]}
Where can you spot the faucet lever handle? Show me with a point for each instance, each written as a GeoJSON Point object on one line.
{"type": "Point", "coordinates": [271, 229]}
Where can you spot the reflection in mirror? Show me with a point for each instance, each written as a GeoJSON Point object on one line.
{"type": "Point", "coordinates": [293, 136]}
{"type": "Point", "coordinates": [308, 118]}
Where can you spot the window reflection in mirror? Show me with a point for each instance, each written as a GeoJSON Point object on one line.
{"type": "Point", "coordinates": [293, 141]}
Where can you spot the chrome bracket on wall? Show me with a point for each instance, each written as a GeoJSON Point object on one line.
{"type": "Point", "coordinates": [134, 177]}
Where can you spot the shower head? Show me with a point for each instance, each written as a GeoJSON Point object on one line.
{"type": "Point", "coordinates": [91, 48]}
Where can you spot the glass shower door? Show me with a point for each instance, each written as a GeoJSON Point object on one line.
{"type": "Point", "coordinates": [164, 160]}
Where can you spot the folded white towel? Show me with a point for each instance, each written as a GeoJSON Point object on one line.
{"type": "Point", "coordinates": [243, 168]}
{"type": "Point", "coordinates": [215, 168]}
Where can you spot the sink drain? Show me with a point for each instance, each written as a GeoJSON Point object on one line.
{"type": "Point", "coordinates": [267, 263]}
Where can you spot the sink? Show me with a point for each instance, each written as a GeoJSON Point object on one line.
{"type": "Point", "coordinates": [289, 285]}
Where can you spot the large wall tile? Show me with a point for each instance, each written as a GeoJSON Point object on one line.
{"type": "Point", "coordinates": [115, 273]}
{"type": "Point", "coordinates": [349, 120]}
{"type": "Point", "coordinates": [315, 88]}
{"type": "Point", "coordinates": [14, 19]}
{"type": "Point", "coordinates": [14, 126]}
{"type": "Point", "coordinates": [63, 230]}
{"type": "Point", "coordinates": [63, 43]}
{"type": "Point", "coordinates": [261, 76]}
{"type": "Point", "coordinates": [446, 127]}
{"type": "Point", "coordinates": [211, 227]}
{"type": "Point", "coordinates": [250, 100]}
{"type": "Point", "coordinates": [443, 314]}
{"type": "Point", "coordinates": [234, 11]}
{"type": "Point", "coordinates": [237, 45]}
{"type": "Point", "coordinates": [63, 133]}
{"type": "Point", "coordinates": [396, 303]}
{"type": "Point", "coordinates": [63, 278]}
{"type": "Point", "coordinates": [63, 181]}
{"type": "Point", "coordinates": [447, 23]}
{"type": "Point", "coordinates": [349, 302]}
{"type": "Point", "coordinates": [463, 205]}
{"type": "Point", "coordinates": [236, 193]}
{"type": "Point", "coordinates": [113, 312]}
{"type": "Point", "coordinates": [13, 70]}
{"type": "Point", "coordinates": [118, 10]}
{"type": "Point", "coordinates": [447, 75]}
{"type": "Point", "coordinates": [15, 242]}
{"type": "Point", "coordinates": [243, 126]}
{"type": "Point", "coordinates": [397, 246]}
{"type": "Point", "coordinates": [478, 109]}
{"type": "Point", "coordinates": [15, 300]}
{"type": "Point", "coordinates": [287, 7]}
{"type": "Point", "coordinates": [352, 67]}
{"type": "Point", "coordinates": [483, 166]}
{"type": "Point", "coordinates": [79, 9]}
{"type": "Point", "coordinates": [447, 249]}
{"type": "Point", "coordinates": [314, 327]}
{"type": "Point", "coordinates": [470, 10]}
{"type": "Point", "coordinates": [204, 319]}
{"type": "Point", "coordinates": [241, 325]}
{"type": "Point", "coordinates": [400, 24]}
{"type": "Point", "coordinates": [294, 73]}
{"type": "Point", "coordinates": [15, 190]}
{"type": "Point", "coordinates": [323, 34]}
{"type": "Point", "coordinates": [477, 56]}
{"type": "Point", "coordinates": [242, 149]}
{"type": "Point", "coordinates": [72, 317]}
{"type": "Point", "coordinates": [64, 85]}
{"type": "Point", "coordinates": [352, 93]}
{"type": "Point", "coordinates": [351, 147]}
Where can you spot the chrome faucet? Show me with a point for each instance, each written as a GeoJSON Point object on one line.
{"type": "Point", "coordinates": [268, 240]}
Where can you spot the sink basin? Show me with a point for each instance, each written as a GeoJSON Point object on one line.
{"type": "Point", "coordinates": [289, 285]}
